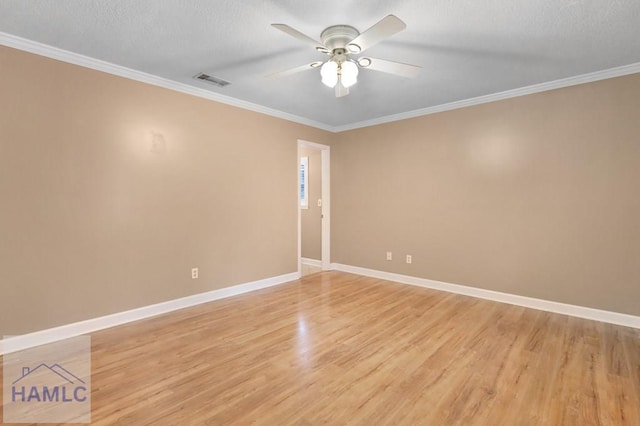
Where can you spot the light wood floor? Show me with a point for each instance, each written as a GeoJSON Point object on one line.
{"type": "Point", "coordinates": [335, 348]}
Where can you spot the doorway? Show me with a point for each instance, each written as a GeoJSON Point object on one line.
{"type": "Point", "coordinates": [313, 208]}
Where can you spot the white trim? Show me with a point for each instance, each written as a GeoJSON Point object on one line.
{"type": "Point", "coordinates": [313, 145]}
{"type": "Point", "coordinates": [18, 343]}
{"type": "Point", "coordinates": [496, 296]}
{"type": "Point", "coordinates": [325, 160]}
{"type": "Point", "coordinates": [311, 262]}
{"type": "Point", "coordinates": [514, 93]}
{"type": "Point", "coordinates": [326, 208]}
{"type": "Point", "coordinates": [299, 210]}
{"type": "Point", "coordinates": [110, 68]}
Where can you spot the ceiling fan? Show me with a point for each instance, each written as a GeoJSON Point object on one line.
{"type": "Point", "coordinates": [341, 43]}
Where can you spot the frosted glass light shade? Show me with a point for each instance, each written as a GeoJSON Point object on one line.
{"type": "Point", "coordinates": [349, 73]}
{"type": "Point", "coordinates": [329, 73]}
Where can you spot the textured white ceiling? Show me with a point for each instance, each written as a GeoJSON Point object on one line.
{"type": "Point", "coordinates": [467, 48]}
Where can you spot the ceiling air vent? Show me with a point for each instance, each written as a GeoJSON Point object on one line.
{"type": "Point", "coordinates": [213, 80]}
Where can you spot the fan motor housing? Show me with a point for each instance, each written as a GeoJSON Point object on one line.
{"type": "Point", "coordinates": [338, 36]}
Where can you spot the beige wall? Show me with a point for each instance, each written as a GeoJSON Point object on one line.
{"type": "Point", "coordinates": [112, 190]}
{"type": "Point", "coordinates": [96, 219]}
{"type": "Point", "coordinates": [311, 217]}
{"type": "Point", "coordinates": [535, 196]}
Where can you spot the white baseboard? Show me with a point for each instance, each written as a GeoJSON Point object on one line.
{"type": "Point", "coordinates": [512, 299]}
{"type": "Point", "coordinates": [312, 262]}
{"type": "Point", "coordinates": [18, 343]}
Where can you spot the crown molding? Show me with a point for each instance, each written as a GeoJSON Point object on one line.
{"type": "Point", "coordinates": [48, 51]}
{"type": "Point", "coordinates": [507, 94]}
{"type": "Point", "coordinates": [110, 68]}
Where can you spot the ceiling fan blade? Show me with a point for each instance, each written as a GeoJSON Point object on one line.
{"type": "Point", "coordinates": [300, 36]}
{"type": "Point", "coordinates": [386, 27]}
{"type": "Point", "coordinates": [295, 70]}
{"type": "Point", "coordinates": [391, 67]}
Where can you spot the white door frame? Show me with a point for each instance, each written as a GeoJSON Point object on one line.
{"type": "Point", "coordinates": [325, 155]}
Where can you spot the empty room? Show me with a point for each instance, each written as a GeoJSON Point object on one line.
{"type": "Point", "coordinates": [292, 213]}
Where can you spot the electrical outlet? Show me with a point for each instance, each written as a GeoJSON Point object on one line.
{"type": "Point", "coordinates": [409, 258]}
{"type": "Point", "coordinates": [194, 273]}
{"type": "Point", "coordinates": [389, 255]}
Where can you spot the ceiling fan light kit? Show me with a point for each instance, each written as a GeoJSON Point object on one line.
{"type": "Point", "coordinates": [348, 73]}
{"type": "Point", "coordinates": [329, 73]}
{"type": "Point", "coordinates": [340, 71]}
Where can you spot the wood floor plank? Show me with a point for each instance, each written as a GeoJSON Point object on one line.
{"type": "Point", "coordinates": [335, 348]}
